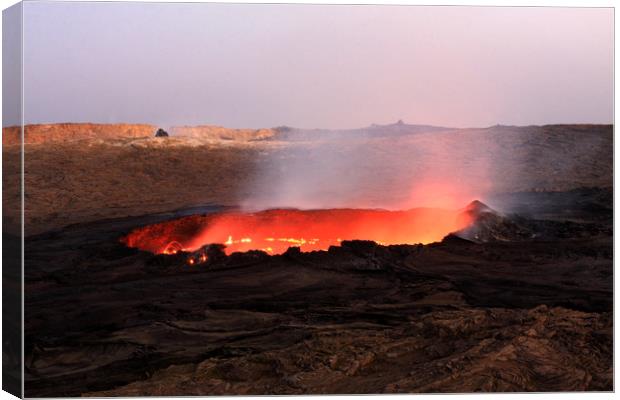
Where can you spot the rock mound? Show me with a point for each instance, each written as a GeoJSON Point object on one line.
{"type": "Point", "coordinates": [491, 226]}
{"type": "Point", "coordinates": [161, 133]}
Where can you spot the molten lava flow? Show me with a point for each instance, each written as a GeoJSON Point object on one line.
{"type": "Point", "coordinates": [274, 231]}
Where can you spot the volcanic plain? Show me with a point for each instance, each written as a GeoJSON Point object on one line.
{"type": "Point", "coordinates": [521, 300]}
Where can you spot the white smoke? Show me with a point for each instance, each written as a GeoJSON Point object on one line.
{"type": "Point", "coordinates": [440, 168]}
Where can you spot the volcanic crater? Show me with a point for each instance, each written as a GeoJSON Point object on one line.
{"type": "Point", "coordinates": [503, 298]}
{"type": "Point", "coordinates": [274, 231]}
{"type": "Point", "coordinates": [310, 301]}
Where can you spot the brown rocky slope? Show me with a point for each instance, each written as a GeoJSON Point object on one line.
{"type": "Point", "coordinates": [125, 171]}
{"type": "Point", "coordinates": [51, 133]}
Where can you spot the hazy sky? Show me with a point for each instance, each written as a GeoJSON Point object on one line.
{"type": "Point", "coordinates": [316, 66]}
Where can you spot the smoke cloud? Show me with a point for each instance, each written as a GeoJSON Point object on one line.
{"type": "Point", "coordinates": [397, 167]}
{"type": "Point", "coordinates": [388, 171]}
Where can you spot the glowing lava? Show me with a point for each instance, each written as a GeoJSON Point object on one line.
{"type": "Point", "coordinates": [274, 231]}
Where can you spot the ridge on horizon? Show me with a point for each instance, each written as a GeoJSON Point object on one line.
{"type": "Point", "coordinates": [372, 125]}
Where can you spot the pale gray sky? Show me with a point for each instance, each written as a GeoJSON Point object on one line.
{"type": "Point", "coordinates": [316, 66]}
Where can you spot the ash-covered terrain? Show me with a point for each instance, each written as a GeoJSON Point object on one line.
{"type": "Point", "coordinates": [521, 300]}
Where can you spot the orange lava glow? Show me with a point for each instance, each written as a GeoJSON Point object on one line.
{"type": "Point", "coordinates": [442, 193]}
{"type": "Point", "coordinates": [274, 231]}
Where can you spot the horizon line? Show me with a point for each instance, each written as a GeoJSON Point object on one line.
{"type": "Point", "coordinates": [372, 125]}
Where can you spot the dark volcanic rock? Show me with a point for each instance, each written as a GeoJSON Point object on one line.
{"type": "Point", "coordinates": [161, 133]}
{"type": "Point", "coordinates": [489, 225]}
{"type": "Point", "coordinates": [492, 226]}
{"type": "Point", "coordinates": [455, 316]}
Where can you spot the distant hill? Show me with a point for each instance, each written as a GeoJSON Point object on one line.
{"type": "Point", "coordinates": [65, 132]}
{"type": "Point", "coordinates": [44, 133]}
{"type": "Point", "coordinates": [214, 132]}
{"type": "Point", "coordinates": [68, 132]}
{"type": "Point", "coordinates": [399, 128]}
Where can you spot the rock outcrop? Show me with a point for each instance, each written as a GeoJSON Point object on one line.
{"type": "Point", "coordinates": [490, 225]}
{"type": "Point", "coordinates": [161, 133]}
{"type": "Point", "coordinates": [45, 133]}
{"type": "Point", "coordinates": [221, 133]}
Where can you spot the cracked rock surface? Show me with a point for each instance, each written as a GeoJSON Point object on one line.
{"type": "Point", "coordinates": [454, 316]}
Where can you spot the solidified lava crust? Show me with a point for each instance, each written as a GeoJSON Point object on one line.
{"type": "Point", "coordinates": [509, 304]}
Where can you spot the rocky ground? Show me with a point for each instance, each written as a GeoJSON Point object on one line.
{"type": "Point", "coordinates": [75, 181]}
{"type": "Point", "coordinates": [515, 303]}
{"type": "Point", "coordinates": [527, 314]}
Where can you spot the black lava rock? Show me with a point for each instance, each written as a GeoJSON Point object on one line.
{"type": "Point", "coordinates": [161, 133]}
